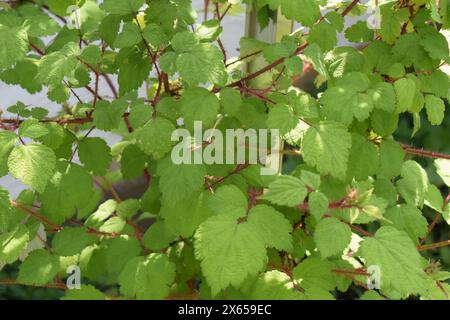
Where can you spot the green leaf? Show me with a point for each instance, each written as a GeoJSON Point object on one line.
{"type": "Point", "coordinates": [443, 170]}
{"type": "Point", "coordinates": [155, 137]}
{"type": "Point", "coordinates": [7, 141]}
{"type": "Point", "coordinates": [364, 158]}
{"type": "Point", "coordinates": [371, 295]}
{"type": "Point", "coordinates": [13, 243]}
{"type": "Point", "coordinates": [183, 218]}
{"type": "Point", "coordinates": [140, 114]}
{"type": "Point", "coordinates": [384, 123]}
{"type": "Point", "coordinates": [89, 16]}
{"type": "Point", "coordinates": [157, 236]}
{"type": "Point", "coordinates": [107, 116]}
{"type": "Point", "coordinates": [70, 241]}
{"type": "Point", "coordinates": [198, 104]}
{"type": "Point", "coordinates": [278, 50]}
{"type": "Point", "coordinates": [39, 268]}
{"type": "Point", "coordinates": [134, 69]}
{"type": "Point", "coordinates": [229, 251]}
{"type": "Point", "coordinates": [109, 28]}
{"type": "Point", "coordinates": [435, 109]}
{"type": "Point", "coordinates": [91, 54]}
{"type": "Point", "coordinates": [318, 204]}
{"type": "Point", "coordinates": [315, 274]}
{"type": "Point", "coordinates": [24, 74]}
{"type": "Point", "coordinates": [446, 214]}
{"type": "Point", "coordinates": [434, 43]}
{"type": "Point", "coordinates": [5, 210]}
{"type": "Point", "coordinates": [13, 45]}
{"type": "Point", "coordinates": [60, 6]}
{"type": "Point", "coordinates": [146, 278]}
{"type": "Point", "coordinates": [408, 51]}
{"type": "Point", "coordinates": [54, 67]}
{"type": "Point", "coordinates": [231, 101]}
{"type": "Point", "coordinates": [95, 154]}
{"type": "Point", "coordinates": [104, 211]}
{"type": "Point", "coordinates": [348, 99]}
{"type": "Point", "coordinates": [409, 219]}
{"type": "Point", "coordinates": [129, 37]}
{"type": "Point", "coordinates": [128, 208]}
{"type": "Point", "coordinates": [282, 117]}
{"type": "Point", "coordinates": [33, 164]}
{"type": "Point", "coordinates": [59, 94]}
{"type": "Point", "coordinates": [391, 158]}
{"type": "Point", "coordinates": [209, 30]}
{"type": "Point", "coordinates": [336, 19]}
{"type": "Point", "coordinates": [32, 129]}
{"type": "Point", "coordinates": [168, 62]}
{"type": "Point", "coordinates": [202, 64]}
{"type": "Point", "coordinates": [437, 83]}
{"type": "Point", "coordinates": [433, 198]}
{"type": "Point", "coordinates": [383, 96]}
{"type": "Point", "coordinates": [122, 7]}
{"type": "Point", "coordinates": [399, 262]}
{"type": "Point", "coordinates": [286, 191]}
{"type": "Point", "coordinates": [311, 179]}
{"type": "Point", "coordinates": [304, 11]}
{"type": "Point", "coordinates": [179, 182]}
{"type": "Point", "coordinates": [184, 41]}
{"type": "Point", "coordinates": [132, 162]}
{"type": "Point", "coordinates": [326, 147]}
{"type": "Point", "coordinates": [155, 36]}
{"type": "Point", "coordinates": [274, 285]}
{"type": "Point", "coordinates": [332, 237]}
{"type": "Point", "coordinates": [324, 34]}
{"type": "Point", "coordinates": [314, 54]}
{"type": "Point", "coordinates": [390, 24]}
{"type": "Point", "coordinates": [272, 226]}
{"type": "Point", "coordinates": [120, 251]}
{"type": "Point", "coordinates": [86, 292]}
{"type": "Point", "coordinates": [294, 65]}
{"type": "Point", "coordinates": [413, 186]}
{"type": "Point", "coordinates": [403, 88]}
{"type": "Point", "coordinates": [69, 189]}
{"type": "Point", "coordinates": [359, 32]}
{"type": "Point", "coordinates": [229, 200]}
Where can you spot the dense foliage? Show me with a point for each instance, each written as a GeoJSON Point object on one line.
{"type": "Point", "coordinates": [355, 200]}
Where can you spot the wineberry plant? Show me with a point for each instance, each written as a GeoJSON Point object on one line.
{"type": "Point", "coordinates": [346, 220]}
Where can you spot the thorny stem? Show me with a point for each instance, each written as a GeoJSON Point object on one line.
{"type": "Point", "coordinates": [56, 285]}
{"type": "Point", "coordinates": [36, 215]}
{"type": "Point", "coordinates": [56, 227]}
{"type": "Point", "coordinates": [436, 219]}
{"type": "Point", "coordinates": [436, 245]}
{"type": "Point", "coordinates": [425, 153]}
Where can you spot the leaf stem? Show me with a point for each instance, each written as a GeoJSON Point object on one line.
{"type": "Point", "coordinates": [36, 215]}
{"type": "Point", "coordinates": [425, 153]}
{"type": "Point", "coordinates": [10, 282]}
{"type": "Point", "coordinates": [436, 245]}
